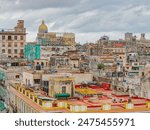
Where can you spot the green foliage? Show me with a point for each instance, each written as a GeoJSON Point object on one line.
{"type": "Point", "coordinates": [100, 66]}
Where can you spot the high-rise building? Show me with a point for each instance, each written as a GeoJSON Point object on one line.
{"type": "Point", "coordinates": [12, 41]}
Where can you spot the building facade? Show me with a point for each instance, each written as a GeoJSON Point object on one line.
{"type": "Point", "coordinates": [12, 41]}
{"type": "Point", "coordinates": [53, 37]}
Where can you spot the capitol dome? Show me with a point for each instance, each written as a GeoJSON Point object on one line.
{"type": "Point", "coordinates": [43, 28]}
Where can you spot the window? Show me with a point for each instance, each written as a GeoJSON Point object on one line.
{"type": "Point", "coordinates": [27, 93]}
{"type": "Point", "coordinates": [20, 89]}
{"type": "Point", "coordinates": [42, 64]}
{"type": "Point", "coordinates": [35, 99]}
{"type": "Point", "coordinates": [17, 76]}
{"type": "Point", "coordinates": [21, 56]}
{"type": "Point", "coordinates": [31, 97]}
{"type": "Point", "coordinates": [3, 50]}
{"type": "Point", "coordinates": [23, 91]}
{"type": "Point", "coordinates": [3, 44]}
{"type": "Point", "coordinates": [15, 44]}
{"type": "Point", "coordinates": [53, 49]}
{"type": "Point", "coordinates": [9, 51]}
{"type": "Point", "coordinates": [15, 37]}
{"type": "Point", "coordinates": [46, 84]}
{"type": "Point", "coordinates": [9, 44]}
{"type": "Point", "coordinates": [21, 38]}
{"type": "Point", "coordinates": [29, 83]}
{"type": "Point", "coordinates": [3, 37]}
{"type": "Point", "coordinates": [64, 89]}
{"type": "Point", "coordinates": [37, 81]}
{"type": "Point", "coordinates": [38, 67]}
{"type": "Point", "coordinates": [21, 51]}
{"type": "Point", "coordinates": [21, 44]}
{"type": "Point", "coordinates": [15, 51]}
{"type": "Point", "coordinates": [9, 38]}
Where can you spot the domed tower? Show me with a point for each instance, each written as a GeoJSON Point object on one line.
{"type": "Point", "coordinates": [43, 28]}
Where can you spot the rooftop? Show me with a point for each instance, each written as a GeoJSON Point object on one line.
{"type": "Point", "coordinates": [93, 103]}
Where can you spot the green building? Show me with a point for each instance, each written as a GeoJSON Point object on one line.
{"type": "Point", "coordinates": [32, 51]}
{"type": "Point", "coordinates": [2, 75]}
{"type": "Point", "coordinates": [2, 106]}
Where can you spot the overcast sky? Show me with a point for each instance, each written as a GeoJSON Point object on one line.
{"type": "Point", "coordinates": [89, 19]}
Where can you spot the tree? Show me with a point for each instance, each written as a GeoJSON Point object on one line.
{"type": "Point", "coordinates": [100, 66]}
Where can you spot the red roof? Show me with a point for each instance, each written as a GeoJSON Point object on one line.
{"type": "Point", "coordinates": [119, 45]}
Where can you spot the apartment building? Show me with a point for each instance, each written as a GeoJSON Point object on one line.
{"type": "Point", "coordinates": [12, 41]}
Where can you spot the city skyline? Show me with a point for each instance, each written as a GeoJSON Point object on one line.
{"type": "Point", "coordinates": [88, 20]}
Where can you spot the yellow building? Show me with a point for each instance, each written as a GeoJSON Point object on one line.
{"type": "Point", "coordinates": [53, 37]}
{"type": "Point", "coordinates": [27, 100]}
{"type": "Point", "coordinates": [60, 87]}
{"type": "Point", "coordinates": [24, 99]}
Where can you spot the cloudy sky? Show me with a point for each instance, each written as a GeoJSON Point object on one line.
{"type": "Point", "coordinates": [89, 19]}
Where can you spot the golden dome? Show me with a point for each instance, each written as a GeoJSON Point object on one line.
{"type": "Point", "coordinates": [43, 28]}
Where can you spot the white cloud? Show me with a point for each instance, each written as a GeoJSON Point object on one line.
{"type": "Point", "coordinates": [88, 19]}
